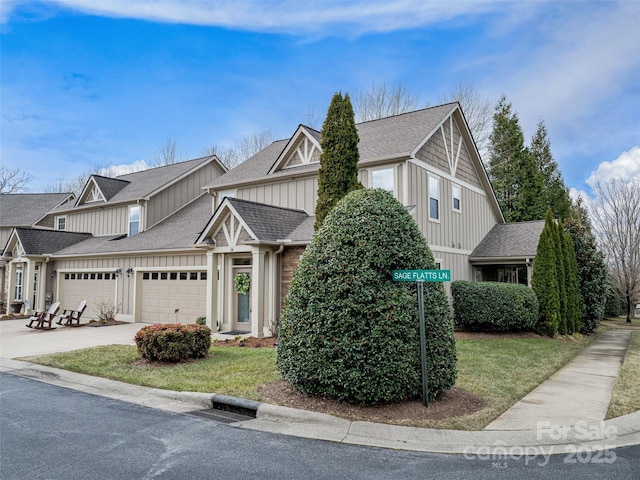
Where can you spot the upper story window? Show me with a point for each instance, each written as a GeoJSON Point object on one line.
{"type": "Point", "coordinates": [61, 223]}
{"type": "Point", "coordinates": [134, 220]}
{"type": "Point", "coordinates": [434, 198]}
{"type": "Point", "coordinates": [456, 195]}
{"type": "Point", "coordinates": [384, 178]}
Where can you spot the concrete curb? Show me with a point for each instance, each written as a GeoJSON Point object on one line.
{"type": "Point", "coordinates": [584, 437]}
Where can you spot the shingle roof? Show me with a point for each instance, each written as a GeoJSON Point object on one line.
{"type": "Point", "coordinates": [26, 209]}
{"type": "Point", "coordinates": [180, 230]}
{"type": "Point", "coordinates": [37, 241]}
{"type": "Point", "coordinates": [510, 240]}
{"type": "Point", "coordinates": [143, 184]}
{"type": "Point", "coordinates": [267, 222]}
{"type": "Point", "coordinates": [109, 186]}
{"type": "Point", "coordinates": [390, 137]}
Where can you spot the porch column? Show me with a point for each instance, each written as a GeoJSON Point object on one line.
{"type": "Point", "coordinates": [28, 278]}
{"type": "Point", "coordinates": [257, 292]}
{"type": "Point", "coordinates": [212, 291]}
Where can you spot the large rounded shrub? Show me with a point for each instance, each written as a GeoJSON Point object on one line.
{"type": "Point", "coordinates": [348, 331]}
{"type": "Point", "coordinates": [493, 306]}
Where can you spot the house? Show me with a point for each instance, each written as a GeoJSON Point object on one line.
{"type": "Point", "coordinates": [25, 210]}
{"type": "Point", "coordinates": [117, 239]}
{"type": "Point", "coordinates": [168, 244]}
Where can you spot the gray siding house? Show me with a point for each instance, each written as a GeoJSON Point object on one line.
{"type": "Point", "coordinates": [168, 244]}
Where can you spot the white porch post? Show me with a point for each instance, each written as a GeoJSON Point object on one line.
{"type": "Point", "coordinates": [257, 292]}
{"type": "Point", "coordinates": [212, 291]}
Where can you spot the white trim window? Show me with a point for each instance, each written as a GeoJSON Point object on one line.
{"type": "Point", "coordinates": [61, 222]}
{"type": "Point", "coordinates": [434, 199]}
{"type": "Point", "coordinates": [384, 178]}
{"type": "Point", "coordinates": [222, 194]}
{"type": "Point", "coordinates": [134, 220]}
{"type": "Point", "coordinates": [456, 198]}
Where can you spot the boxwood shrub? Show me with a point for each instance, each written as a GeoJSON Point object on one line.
{"type": "Point", "coordinates": [348, 331]}
{"type": "Point", "coordinates": [173, 342]}
{"type": "Point", "coordinates": [492, 306]}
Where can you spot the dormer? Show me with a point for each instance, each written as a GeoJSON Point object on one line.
{"type": "Point", "coordinates": [100, 189]}
{"type": "Point", "coordinates": [302, 149]}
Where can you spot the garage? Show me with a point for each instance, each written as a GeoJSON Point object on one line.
{"type": "Point", "coordinates": [94, 287]}
{"type": "Point", "coordinates": [167, 297]}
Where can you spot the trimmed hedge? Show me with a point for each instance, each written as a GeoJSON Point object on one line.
{"type": "Point", "coordinates": [348, 331]}
{"type": "Point", "coordinates": [492, 306]}
{"type": "Point", "coordinates": [173, 342]}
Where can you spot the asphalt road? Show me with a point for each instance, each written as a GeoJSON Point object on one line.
{"type": "Point", "coordinates": [48, 432]}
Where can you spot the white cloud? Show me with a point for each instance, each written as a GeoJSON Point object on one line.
{"type": "Point", "coordinates": [115, 170]}
{"type": "Point", "coordinates": [353, 16]}
{"type": "Point", "coordinates": [576, 61]}
{"type": "Point", "coordinates": [627, 165]}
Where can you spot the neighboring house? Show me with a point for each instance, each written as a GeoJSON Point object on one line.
{"type": "Point", "coordinates": [167, 244]}
{"type": "Point", "coordinates": [25, 210]}
{"type": "Point", "coordinates": [121, 235]}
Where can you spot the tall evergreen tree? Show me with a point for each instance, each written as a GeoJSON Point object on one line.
{"type": "Point", "coordinates": [516, 182]}
{"type": "Point", "coordinates": [592, 270]}
{"type": "Point", "coordinates": [574, 302]}
{"type": "Point", "coordinates": [544, 280]}
{"type": "Point", "coordinates": [338, 173]}
{"type": "Point", "coordinates": [556, 193]}
{"type": "Point", "coordinates": [560, 250]}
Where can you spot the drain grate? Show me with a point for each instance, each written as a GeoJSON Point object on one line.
{"type": "Point", "coordinates": [221, 416]}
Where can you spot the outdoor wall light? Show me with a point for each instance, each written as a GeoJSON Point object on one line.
{"type": "Point", "coordinates": [118, 271]}
{"type": "Point", "coordinates": [53, 274]}
{"type": "Point", "coordinates": [129, 271]}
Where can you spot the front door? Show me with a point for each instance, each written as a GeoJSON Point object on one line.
{"type": "Point", "coordinates": [241, 302]}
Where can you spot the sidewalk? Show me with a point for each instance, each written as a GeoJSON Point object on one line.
{"type": "Point", "coordinates": [614, 433]}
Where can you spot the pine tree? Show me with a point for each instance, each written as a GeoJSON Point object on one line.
{"type": "Point", "coordinates": [544, 280]}
{"type": "Point", "coordinates": [517, 184]}
{"type": "Point", "coordinates": [556, 193]}
{"type": "Point", "coordinates": [338, 173]}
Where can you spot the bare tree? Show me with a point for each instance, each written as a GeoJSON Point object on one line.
{"type": "Point", "coordinates": [166, 154]}
{"type": "Point", "coordinates": [13, 180]}
{"type": "Point", "coordinates": [384, 101]}
{"type": "Point", "coordinates": [245, 148]}
{"type": "Point", "coordinates": [616, 221]}
{"type": "Point", "coordinates": [478, 111]}
{"type": "Point", "coordinates": [77, 183]}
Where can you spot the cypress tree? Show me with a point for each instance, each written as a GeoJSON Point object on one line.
{"type": "Point", "coordinates": [560, 252]}
{"type": "Point", "coordinates": [544, 280]}
{"type": "Point", "coordinates": [338, 173]}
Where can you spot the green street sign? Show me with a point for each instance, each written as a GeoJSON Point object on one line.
{"type": "Point", "coordinates": [422, 275]}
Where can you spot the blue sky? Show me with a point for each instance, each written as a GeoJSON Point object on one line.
{"type": "Point", "coordinates": [107, 82]}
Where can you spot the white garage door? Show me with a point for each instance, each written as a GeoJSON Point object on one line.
{"type": "Point", "coordinates": [93, 287]}
{"type": "Point", "coordinates": [162, 293]}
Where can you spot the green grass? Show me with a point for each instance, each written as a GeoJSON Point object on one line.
{"type": "Point", "coordinates": [232, 371]}
{"type": "Point", "coordinates": [499, 371]}
{"type": "Point", "coordinates": [502, 371]}
{"type": "Point", "coordinates": [626, 392]}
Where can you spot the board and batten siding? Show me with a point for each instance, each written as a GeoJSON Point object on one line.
{"type": "Point", "coordinates": [299, 194]}
{"type": "Point", "coordinates": [459, 230]}
{"type": "Point", "coordinates": [126, 285]}
{"type": "Point", "coordinates": [169, 200]}
{"type": "Point", "coordinates": [100, 221]}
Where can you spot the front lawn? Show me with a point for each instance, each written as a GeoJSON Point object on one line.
{"type": "Point", "coordinates": [500, 371]}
